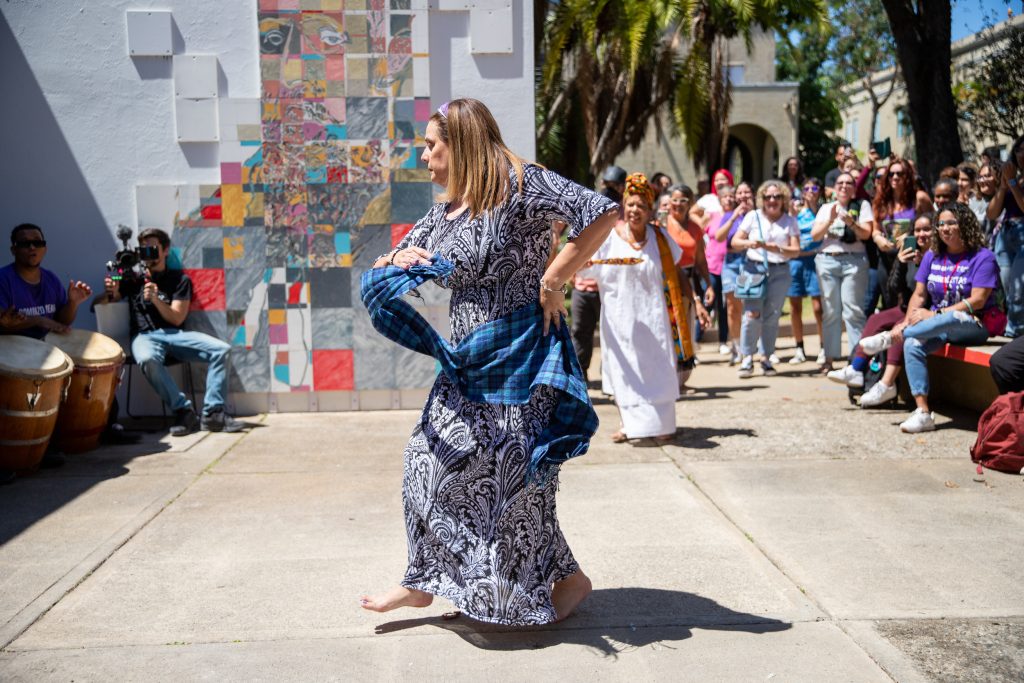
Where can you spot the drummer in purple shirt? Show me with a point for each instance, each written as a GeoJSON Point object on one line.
{"type": "Point", "coordinates": [33, 301]}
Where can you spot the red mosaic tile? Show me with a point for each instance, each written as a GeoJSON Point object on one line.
{"type": "Point", "coordinates": [333, 370]}
{"type": "Point", "coordinates": [208, 293]}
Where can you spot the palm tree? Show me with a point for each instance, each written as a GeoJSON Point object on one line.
{"type": "Point", "coordinates": [614, 66]}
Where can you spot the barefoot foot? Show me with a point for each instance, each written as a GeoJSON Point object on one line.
{"type": "Point", "coordinates": [569, 593]}
{"type": "Point", "coordinates": [395, 598]}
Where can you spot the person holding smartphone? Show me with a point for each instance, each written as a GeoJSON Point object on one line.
{"type": "Point", "coordinates": [900, 286]}
{"type": "Point", "coordinates": [842, 267]}
{"type": "Point", "coordinates": [159, 307]}
{"type": "Point", "coordinates": [1008, 202]}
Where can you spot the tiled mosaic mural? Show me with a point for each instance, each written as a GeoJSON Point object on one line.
{"type": "Point", "coordinates": [318, 177]}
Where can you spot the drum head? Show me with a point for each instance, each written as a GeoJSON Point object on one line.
{"type": "Point", "coordinates": [33, 359]}
{"type": "Point", "coordinates": [87, 348]}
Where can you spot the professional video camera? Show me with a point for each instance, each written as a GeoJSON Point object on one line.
{"type": "Point", "coordinates": [125, 265]}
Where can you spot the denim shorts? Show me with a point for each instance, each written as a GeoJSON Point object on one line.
{"type": "Point", "coordinates": [804, 278]}
{"type": "Point", "coordinates": [730, 269]}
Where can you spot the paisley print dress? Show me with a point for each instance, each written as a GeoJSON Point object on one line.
{"type": "Point", "coordinates": [478, 534]}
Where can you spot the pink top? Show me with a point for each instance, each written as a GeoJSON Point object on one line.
{"type": "Point", "coordinates": [714, 250]}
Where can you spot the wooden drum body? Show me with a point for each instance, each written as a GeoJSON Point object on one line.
{"type": "Point", "coordinates": [34, 379]}
{"type": "Point", "coordinates": [97, 368]}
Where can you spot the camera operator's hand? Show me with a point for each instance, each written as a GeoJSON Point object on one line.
{"type": "Point", "coordinates": [113, 288]}
{"type": "Point", "coordinates": [78, 291]}
{"type": "Point", "coordinates": [150, 292]}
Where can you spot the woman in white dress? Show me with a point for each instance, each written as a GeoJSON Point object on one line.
{"type": "Point", "coordinates": [641, 298]}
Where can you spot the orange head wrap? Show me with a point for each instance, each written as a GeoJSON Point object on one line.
{"type": "Point", "coordinates": [636, 183]}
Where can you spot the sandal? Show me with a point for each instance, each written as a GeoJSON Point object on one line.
{"type": "Point", "coordinates": [619, 437]}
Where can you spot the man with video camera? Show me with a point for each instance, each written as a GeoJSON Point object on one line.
{"type": "Point", "coordinates": [159, 299]}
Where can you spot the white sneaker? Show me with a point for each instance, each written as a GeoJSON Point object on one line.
{"type": "Point", "coordinates": [877, 395]}
{"type": "Point", "coordinates": [820, 360]}
{"type": "Point", "coordinates": [747, 367]}
{"type": "Point", "coordinates": [734, 356]}
{"type": "Point", "coordinates": [876, 343]}
{"type": "Point", "coordinates": [919, 421]}
{"type": "Point", "coordinates": [798, 357]}
{"type": "Point", "coordinates": [774, 359]}
{"type": "Point", "coordinates": [724, 350]}
{"type": "Point", "coordinates": [848, 376]}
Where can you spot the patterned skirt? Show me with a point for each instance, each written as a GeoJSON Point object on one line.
{"type": "Point", "coordinates": [478, 535]}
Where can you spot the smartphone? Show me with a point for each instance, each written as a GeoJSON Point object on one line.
{"type": "Point", "coordinates": [910, 242]}
{"type": "Point", "coordinates": [882, 147]}
{"type": "Point", "coordinates": [662, 217]}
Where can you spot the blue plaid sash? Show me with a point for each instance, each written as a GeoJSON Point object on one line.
{"type": "Point", "coordinates": [499, 362]}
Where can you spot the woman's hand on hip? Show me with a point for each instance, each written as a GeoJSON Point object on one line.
{"type": "Point", "coordinates": [553, 305]}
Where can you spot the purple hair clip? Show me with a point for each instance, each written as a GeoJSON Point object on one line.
{"type": "Point", "coordinates": [443, 110]}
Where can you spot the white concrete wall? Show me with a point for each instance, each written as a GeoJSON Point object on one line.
{"type": "Point", "coordinates": [503, 82]}
{"type": "Point", "coordinates": [112, 116]}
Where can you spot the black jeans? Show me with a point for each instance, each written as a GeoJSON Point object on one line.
{"type": "Point", "coordinates": [1007, 366]}
{"type": "Point", "coordinates": [586, 312]}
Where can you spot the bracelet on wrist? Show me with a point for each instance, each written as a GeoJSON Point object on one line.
{"type": "Point", "coordinates": [564, 289]}
{"type": "Point", "coordinates": [391, 259]}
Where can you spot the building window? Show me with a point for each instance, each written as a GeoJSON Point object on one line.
{"type": "Point", "coordinates": [876, 134]}
{"type": "Point", "coordinates": [903, 127]}
{"type": "Point", "coordinates": [736, 73]}
{"type": "Point", "coordinates": [852, 130]}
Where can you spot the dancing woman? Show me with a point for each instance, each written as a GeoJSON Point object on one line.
{"type": "Point", "coordinates": [482, 532]}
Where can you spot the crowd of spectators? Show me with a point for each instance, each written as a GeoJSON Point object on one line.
{"type": "Point", "coordinates": [902, 267]}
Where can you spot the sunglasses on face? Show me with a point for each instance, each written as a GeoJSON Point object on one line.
{"type": "Point", "coordinates": [896, 174]}
{"type": "Point", "coordinates": [30, 244]}
{"type": "Point", "coordinates": [880, 176]}
{"type": "Point", "coordinates": [948, 224]}
{"type": "Point", "coordinates": [772, 197]}
{"type": "Point", "coordinates": [811, 188]}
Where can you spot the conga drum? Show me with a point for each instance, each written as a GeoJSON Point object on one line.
{"type": "Point", "coordinates": [83, 417]}
{"type": "Point", "coordinates": [34, 378]}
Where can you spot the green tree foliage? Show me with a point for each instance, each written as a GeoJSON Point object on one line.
{"type": "Point", "coordinates": [612, 67]}
{"type": "Point", "coordinates": [862, 45]}
{"type": "Point", "coordinates": [802, 54]}
{"type": "Point", "coordinates": [992, 98]}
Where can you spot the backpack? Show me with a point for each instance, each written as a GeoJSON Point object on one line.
{"type": "Point", "coordinates": [1000, 444]}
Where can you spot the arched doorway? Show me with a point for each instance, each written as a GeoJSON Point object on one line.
{"type": "Point", "coordinates": [752, 153]}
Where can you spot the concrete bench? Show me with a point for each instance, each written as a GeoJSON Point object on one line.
{"type": "Point", "coordinates": [960, 375]}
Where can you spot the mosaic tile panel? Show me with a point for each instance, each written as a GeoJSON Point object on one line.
{"type": "Point", "coordinates": [318, 177]}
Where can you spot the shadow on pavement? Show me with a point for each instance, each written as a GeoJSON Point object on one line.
{"type": "Point", "coordinates": [706, 393]}
{"type": "Point", "coordinates": [704, 437]}
{"type": "Point", "coordinates": [611, 621]}
{"type": "Point", "coordinates": [32, 498]}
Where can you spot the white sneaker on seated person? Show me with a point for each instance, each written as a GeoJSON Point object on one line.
{"type": "Point", "coordinates": [919, 421]}
{"type": "Point", "coordinates": [774, 359]}
{"type": "Point", "coordinates": [876, 343]}
{"type": "Point", "coordinates": [877, 395]}
{"type": "Point", "coordinates": [848, 376]}
{"type": "Point", "coordinates": [820, 360]}
{"type": "Point", "coordinates": [798, 357]}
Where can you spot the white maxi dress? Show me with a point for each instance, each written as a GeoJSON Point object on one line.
{"type": "Point", "coordinates": [638, 360]}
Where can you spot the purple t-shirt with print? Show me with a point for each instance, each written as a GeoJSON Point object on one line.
{"type": "Point", "coordinates": [43, 299]}
{"type": "Point", "coordinates": [949, 278]}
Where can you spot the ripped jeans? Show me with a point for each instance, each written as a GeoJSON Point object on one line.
{"type": "Point", "coordinates": [919, 340]}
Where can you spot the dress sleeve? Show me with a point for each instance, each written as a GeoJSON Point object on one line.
{"type": "Point", "coordinates": [417, 237]}
{"type": "Point", "coordinates": [552, 197]}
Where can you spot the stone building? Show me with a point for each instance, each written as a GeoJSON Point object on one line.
{"type": "Point", "coordinates": [763, 121]}
{"type": "Point", "coordinates": [893, 120]}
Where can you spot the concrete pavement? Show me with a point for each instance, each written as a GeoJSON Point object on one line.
{"type": "Point", "coordinates": [785, 535]}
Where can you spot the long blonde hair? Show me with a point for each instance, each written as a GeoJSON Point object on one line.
{"type": "Point", "coordinates": [478, 159]}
